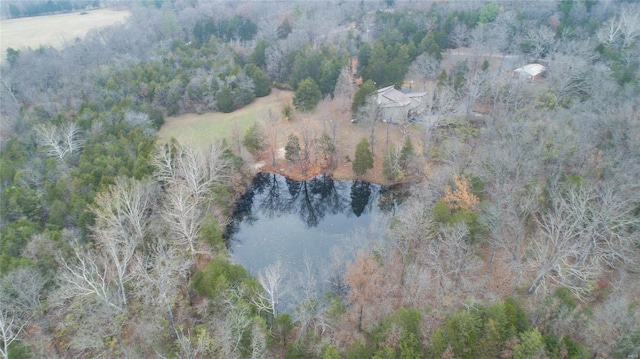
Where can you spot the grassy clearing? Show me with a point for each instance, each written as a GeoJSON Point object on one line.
{"type": "Point", "coordinates": [202, 129]}
{"type": "Point", "coordinates": [55, 30]}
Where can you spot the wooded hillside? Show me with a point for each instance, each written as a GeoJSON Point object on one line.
{"type": "Point", "coordinates": [520, 238]}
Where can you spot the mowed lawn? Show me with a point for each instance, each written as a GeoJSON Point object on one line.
{"type": "Point", "coordinates": [55, 30]}
{"type": "Point", "coordinates": [205, 128]}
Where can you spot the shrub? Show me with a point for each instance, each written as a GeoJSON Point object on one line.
{"type": "Point", "coordinates": [254, 139]}
{"type": "Point", "coordinates": [220, 275]}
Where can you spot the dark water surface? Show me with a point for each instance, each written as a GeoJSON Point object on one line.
{"type": "Point", "coordinates": [280, 219]}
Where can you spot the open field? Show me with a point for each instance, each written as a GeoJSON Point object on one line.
{"type": "Point", "coordinates": [54, 30]}
{"type": "Point", "coordinates": [267, 111]}
{"type": "Point", "coordinates": [203, 128]}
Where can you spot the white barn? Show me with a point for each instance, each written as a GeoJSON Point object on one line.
{"type": "Point", "coordinates": [529, 72]}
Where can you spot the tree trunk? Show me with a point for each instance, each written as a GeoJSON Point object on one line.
{"type": "Point", "coordinates": [274, 149]}
{"type": "Point", "coordinates": [372, 138]}
{"type": "Point", "coordinates": [536, 283]}
{"type": "Point", "coordinates": [10, 92]}
{"type": "Point", "coordinates": [493, 256]}
{"type": "Point", "coordinates": [387, 137]}
{"type": "Point", "coordinates": [122, 290]}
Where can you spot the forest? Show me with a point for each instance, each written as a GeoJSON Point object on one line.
{"type": "Point", "coordinates": [520, 237]}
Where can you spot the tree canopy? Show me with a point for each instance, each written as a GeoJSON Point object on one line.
{"type": "Point", "coordinates": [519, 237]}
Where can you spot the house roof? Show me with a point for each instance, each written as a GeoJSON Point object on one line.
{"type": "Point", "coordinates": [530, 70]}
{"type": "Point", "coordinates": [390, 97]}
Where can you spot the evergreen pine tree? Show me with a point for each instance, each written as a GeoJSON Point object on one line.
{"type": "Point", "coordinates": [262, 86]}
{"type": "Point", "coordinates": [254, 139]}
{"type": "Point", "coordinates": [225, 101]}
{"type": "Point", "coordinates": [292, 149]}
{"type": "Point", "coordinates": [307, 95]}
{"type": "Point", "coordinates": [364, 158]}
{"type": "Point", "coordinates": [406, 153]}
{"type": "Point", "coordinates": [530, 346]}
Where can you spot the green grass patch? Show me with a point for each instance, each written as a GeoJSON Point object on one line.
{"type": "Point", "coordinates": [205, 128]}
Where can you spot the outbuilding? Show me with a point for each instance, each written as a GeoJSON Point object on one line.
{"type": "Point", "coordinates": [529, 72]}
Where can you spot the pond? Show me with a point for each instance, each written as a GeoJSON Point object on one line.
{"type": "Point", "coordinates": [299, 223]}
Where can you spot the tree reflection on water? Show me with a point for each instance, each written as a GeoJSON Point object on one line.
{"type": "Point", "coordinates": [274, 195]}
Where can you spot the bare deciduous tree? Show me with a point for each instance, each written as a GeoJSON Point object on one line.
{"type": "Point", "coordinates": [508, 169]}
{"type": "Point", "coordinates": [307, 136]}
{"type": "Point", "coordinates": [444, 99]}
{"type": "Point", "coordinates": [629, 24]}
{"type": "Point", "coordinates": [412, 227]}
{"type": "Point", "coordinates": [20, 299]}
{"type": "Point", "coordinates": [477, 85]}
{"type": "Point", "coordinates": [368, 282]}
{"type": "Point", "coordinates": [585, 229]}
{"type": "Point", "coordinates": [275, 58]}
{"type": "Point", "coordinates": [189, 174]}
{"type": "Point", "coordinates": [425, 66]}
{"type": "Point", "coordinates": [183, 216]}
{"type": "Point", "coordinates": [196, 346]}
{"type": "Point", "coordinates": [568, 75]}
{"type": "Point", "coordinates": [491, 219]}
{"type": "Point", "coordinates": [161, 275]}
{"type": "Point", "coordinates": [540, 39]}
{"type": "Point", "coordinates": [86, 275]}
{"type": "Point", "coordinates": [258, 342]}
{"type": "Point", "coordinates": [610, 31]}
{"type": "Point", "coordinates": [614, 323]}
{"type": "Point", "coordinates": [460, 35]}
{"type": "Point", "coordinates": [196, 168]}
{"type": "Point", "coordinates": [418, 285]}
{"type": "Point", "coordinates": [451, 259]}
{"type": "Point", "coordinates": [310, 310]}
{"type": "Point", "coordinates": [23, 288]}
{"type": "Point", "coordinates": [11, 327]}
{"type": "Point", "coordinates": [552, 252]}
{"type": "Point", "coordinates": [272, 141]}
{"type": "Point", "coordinates": [59, 141]}
{"type": "Point", "coordinates": [121, 218]}
{"type": "Point", "coordinates": [368, 115]}
{"type": "Point", "coordinates": [343, 93]}
{"type": "Point", "coordinates": [236, 324]}
{"type": "Point", "coordinates": [271, 280]}
{"type": "Point", "coordinates": [135, 118]}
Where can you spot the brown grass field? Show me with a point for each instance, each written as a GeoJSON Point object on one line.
{"type": "Point", "coordinates": [54, 30]}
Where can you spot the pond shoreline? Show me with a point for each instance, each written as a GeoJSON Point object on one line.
{"type": "Point", "coordinates": [337, 173]}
